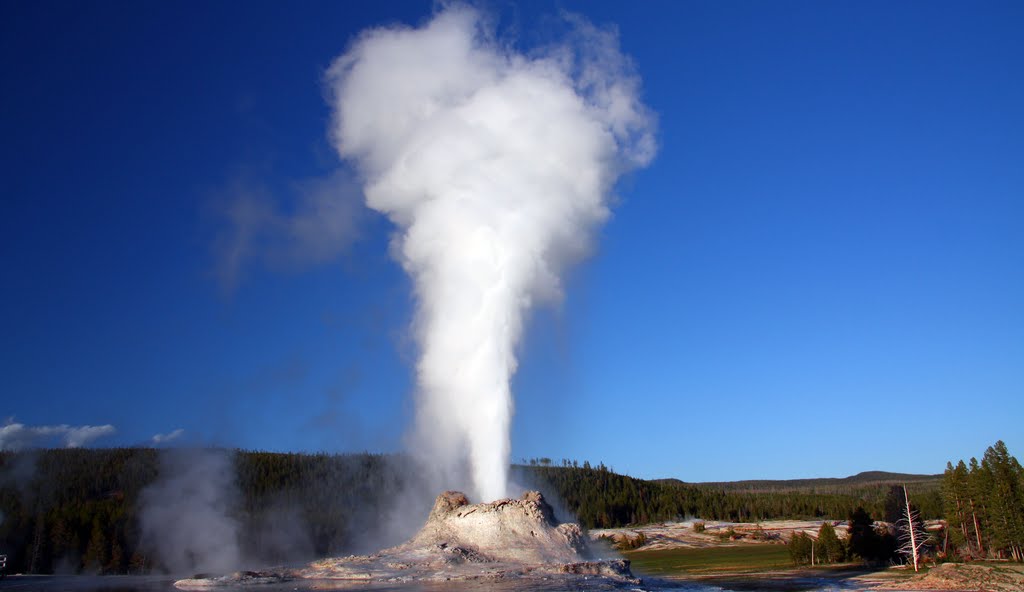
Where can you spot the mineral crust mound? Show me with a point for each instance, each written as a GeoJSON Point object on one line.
{"type": "Point", "coordinates": [500, 540]}
{"type": "Point", "coordinates": [520, 530]}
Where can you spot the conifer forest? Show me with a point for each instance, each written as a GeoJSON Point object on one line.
{"type": "Point", "coordinates": [83, 510]}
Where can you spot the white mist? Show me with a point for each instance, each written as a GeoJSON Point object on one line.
{"type": "Point", "coordinates": [496, 168]}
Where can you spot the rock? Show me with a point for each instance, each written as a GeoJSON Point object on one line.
{"type": "Point", "coordinates": [239, 578]}
{"type": "Point", "coordinates": [446, 503]}
{"type": "Point", "coordinates": [615, 568]}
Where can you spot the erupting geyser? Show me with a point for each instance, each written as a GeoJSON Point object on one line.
{"type": "Point", "coordinates": [496, 167]}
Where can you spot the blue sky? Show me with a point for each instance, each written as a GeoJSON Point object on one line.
{"type": "Point", "coordinates": [821, 272]}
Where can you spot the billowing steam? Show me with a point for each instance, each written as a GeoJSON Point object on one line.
{"type": "Point", "coordinates": [185, 515]}
{"type": "Point", "coordinates": [497, 167]}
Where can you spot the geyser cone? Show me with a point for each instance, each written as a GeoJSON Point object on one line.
{"type": "Point", "coordinates": [496, 541]}
{"type": "Point", "coordinates": [495, 167]}
{"type": "Point", "coordinates": [511, 530]}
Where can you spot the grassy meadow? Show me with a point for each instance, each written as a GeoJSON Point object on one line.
{"type": "Point", "coordinates": [708, 561]}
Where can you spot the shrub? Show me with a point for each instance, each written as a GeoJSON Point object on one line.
{"type": "Point", "coordinates": [626, 543]}
{"type": "Point", "coordinates": [800, 548]}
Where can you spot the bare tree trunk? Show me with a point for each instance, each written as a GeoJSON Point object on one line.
{"type": "Point", "coordinates": [910, 526]}
{"type": "Point", "coordinates": [960, 513]}
{"type": "Point", "coordinates": [977, 529]}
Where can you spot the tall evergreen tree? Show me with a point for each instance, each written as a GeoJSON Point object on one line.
{"type": "Point", "coordinates": [894, 504]}
{"type": "Point", "coordinates": [97, 551]}
{"type": "Point", "coordinates": [954, 498]}
{"type": "Point", "coordinates": [985, 502]}
{"type": "Point", "coordinates": [1005, 501]}
{"type": "Point", "coordinates": [830, 548]}
{"type": "Point", "coordinates": [976, 491]}
{"type": "Point", "coordinates": [864, 541]}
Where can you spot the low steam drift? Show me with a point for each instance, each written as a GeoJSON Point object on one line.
{"type": "Point", "coordinates": [496, 167]}
{"type": "Point", "coordinates": [185, 514]}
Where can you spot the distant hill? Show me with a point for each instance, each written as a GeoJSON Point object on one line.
{"type": "Point", "coordinates": [850, 485]}
{"type": "Point", "coordinates": [601, 498]}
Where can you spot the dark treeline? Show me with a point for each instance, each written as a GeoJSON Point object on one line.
{"type": "Point", "coordinates": [601, 498]}
{"type": "Point", "coordinates": [81, 510]}
{"type": "Point", "coordinates": [56, 505]}
{"type": "Point", "coordinates": [337, 499]}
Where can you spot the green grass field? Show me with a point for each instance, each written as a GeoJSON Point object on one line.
{"type": "Point", "coordinates": [710, 560]}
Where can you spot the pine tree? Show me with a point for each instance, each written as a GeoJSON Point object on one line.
{"type": "Point", "coordinates": [39, 545]}
{"type": "Point", "coordinates": [116, 562]}
{"type": "Point", "coordinates": [96, 553]}
{"type": "Point", "coordinates": [800, 548]}
{"type": "Point", "coordinates": [830, 548]}
{"type": "Point", "coordinates": [1006, 504]}
{"type": "Point", "coordinates": [138, 564]}
{"type": "Point", "coordinates": [977, 488]}
{"type": "Point", "coordinates": [864, 541]}
{"type": "Point", "coordinates": [954, 498]}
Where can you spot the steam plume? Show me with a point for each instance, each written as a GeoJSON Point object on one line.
{"type": "Point", "coordinates": [317, 221]}
{"type": "Point", "coordinates": [496, 168]}
{"type": "Point", "coordinates": [185, 515]}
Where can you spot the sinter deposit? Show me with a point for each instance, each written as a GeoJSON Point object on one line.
{"type": "Point", "coordinates": [509, 538]}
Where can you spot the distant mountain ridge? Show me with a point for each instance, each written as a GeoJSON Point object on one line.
{"type": "Point", "coordinates": [866, 479]}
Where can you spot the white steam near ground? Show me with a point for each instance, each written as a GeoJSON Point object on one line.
{"type": "Point", "coordinates": [497, 167]}
{"type": "Point", "coordinates": [185, 515]}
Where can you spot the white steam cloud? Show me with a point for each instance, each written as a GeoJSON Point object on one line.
{"type": "Point", "coordinates": [186, 513]}
{"type": "Point", "coordinates": [16, 436]}
{"type": "Point", "coordinates": [496, 167]}
{"type": "Point", "coordinates": [317, 220]}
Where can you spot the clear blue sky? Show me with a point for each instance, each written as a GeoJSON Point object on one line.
{"type": "Point", "coordinates": [821, 273]}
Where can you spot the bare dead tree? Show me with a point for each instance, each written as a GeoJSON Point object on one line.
{"type": "Point", "coordinates": [912, 535]}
